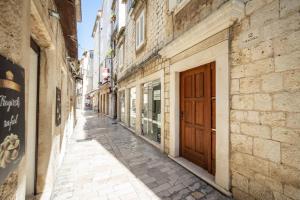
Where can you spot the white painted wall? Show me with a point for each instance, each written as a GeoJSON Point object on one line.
{"type": "Point", "coordinates": [96, 60]}
{"type": "Point", "coordinates": [105, 34]}
{"type": "Point", "coordinates": [87, 68]}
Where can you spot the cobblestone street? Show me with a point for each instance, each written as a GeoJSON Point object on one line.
{"type": "Point", "coordinates": [106, 161]}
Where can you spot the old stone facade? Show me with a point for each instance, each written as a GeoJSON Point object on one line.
{"type": "Point", "coordinates": [255, 46]}
{"type": "Point", "coordinates": [264, 117]}
{"type": "Point", "coordinates": [27, 27]}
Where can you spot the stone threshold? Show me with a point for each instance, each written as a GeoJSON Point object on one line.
{"type": "Point", "coordinates": [201, 173]}
{"type": "Point", "coordinates": [141, 136]}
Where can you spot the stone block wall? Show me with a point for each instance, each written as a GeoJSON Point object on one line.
{"type": "Point", "coordinates": [161, 28]}
{"type": "Point", "coordinates": [155, 32]}
{"type": "Point", "coordinates": [264, 88]}
{"type": "Point", "coordinates": [194, 12]}
{"type": "Point", "coordinates": [265, 101]}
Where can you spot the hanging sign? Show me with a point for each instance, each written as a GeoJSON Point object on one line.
{"type": "Point", "coordinates": [12, 116]}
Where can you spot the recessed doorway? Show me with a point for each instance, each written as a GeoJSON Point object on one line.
{"type": "Point", "coordinates": [32, 115]}
{"type": "Point", "coordinates": [197, 116]}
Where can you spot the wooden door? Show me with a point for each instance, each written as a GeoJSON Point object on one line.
{"type": "Point", "coordinates": [197, 102]}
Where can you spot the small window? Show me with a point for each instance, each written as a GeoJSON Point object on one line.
{"type": "Point", "coordinates": [140, 30]}
{"type": "Point", "coordinates": [121, 56]}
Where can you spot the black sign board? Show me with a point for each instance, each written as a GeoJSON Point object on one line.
{"type": "Point", "coordinates": [12, 118]}
{"type": "Point", "coordinates": [58, 107]}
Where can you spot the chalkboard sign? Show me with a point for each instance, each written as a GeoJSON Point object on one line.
{"type": "Point", "coordinates": [58, 107]}
{"type": "Point", "coordinates": [12, 122]}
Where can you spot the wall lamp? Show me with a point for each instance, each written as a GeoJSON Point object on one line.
{"type": "Point", "coordinates": [54, 14]}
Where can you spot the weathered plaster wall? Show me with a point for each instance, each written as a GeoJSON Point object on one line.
{"type": "Point", "coordinates": [13, 45]}
{"type": "Point", "coordinates": [265, 101]}
{"type": "Point", "coordinates": [20, 19]}
{"type": "Point", "coordinates": [54, 74]}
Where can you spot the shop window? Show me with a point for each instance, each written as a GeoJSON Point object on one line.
{"type": "Point", "coordinates": [132, 110]}
{"type": "Point", "coordinates": [122, 106]}
{"type": "Point", "coordinates": [151, 113]}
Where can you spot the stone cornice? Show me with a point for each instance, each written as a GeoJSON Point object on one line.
{"type": "Point", "coordinates": [219, 20]}
{"type": "Point", "coordinates": [137, 66]}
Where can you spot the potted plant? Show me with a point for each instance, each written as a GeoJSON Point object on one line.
{"type": "Point", "coordinates": [113, 17]}
{"type": "Point", "coordinates": [110, 53]}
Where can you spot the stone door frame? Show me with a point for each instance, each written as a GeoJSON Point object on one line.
{"type": "Point", "coordinates": [219, 54]}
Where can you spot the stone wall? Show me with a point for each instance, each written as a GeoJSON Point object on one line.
{"type": "Point", "coordinates": [12, 44]}
{"type": "Point", "coordinates": [54, 73]}
{"type": "Point", "coordinates": [20, 20]}
{"type": "Point", "coordinates": [155, 33]}
{"type": "Point", "coordinates": [194, 12]}
{"type": "Point", "coordinates": [161, 28]}
{"type": "Point", "coordinates": [264, 88]}
{"type": "Point", "coordinates": [265, 101]}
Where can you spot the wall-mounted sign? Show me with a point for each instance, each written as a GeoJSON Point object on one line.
{"type": "Point", "coordinates": [12, 118]}
{"type": "Point", "coordinates": [58, 107]}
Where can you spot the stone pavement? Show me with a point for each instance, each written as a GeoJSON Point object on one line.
{"type": "Point", "coordinates": [105, 161]}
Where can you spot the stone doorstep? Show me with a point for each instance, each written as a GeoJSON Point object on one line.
{"type": "Point", "coordinates": [141, 136]}
{"type": "Point", "coordinates": [201, 173]}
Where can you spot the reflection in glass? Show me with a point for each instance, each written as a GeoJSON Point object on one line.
{"type": "Point", "coordinates": [151, 113]}
{"type": "Point", "coordinates": [132, 107]}
{"type": "Point", "coordinates": [122, 105]}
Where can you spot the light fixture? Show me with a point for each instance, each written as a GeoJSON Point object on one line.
{"type": "Point", "coordinates": [54, 14]}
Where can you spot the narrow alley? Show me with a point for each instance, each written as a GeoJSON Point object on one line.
{"type": "Point", "coordinates": [150, 99]}
{"type": "Point", "coordinates": [106, 161]}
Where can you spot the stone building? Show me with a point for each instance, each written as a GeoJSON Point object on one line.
{"type": "Point", "coordinates": [105, 59]}
{"type": "Point", "coordinates": [40, 36]}
{"type": "Point", "coordinates": [215, 84]}
{"type": "Point", "coordinates": [86, 65]}
{"type": "Point", "coordinates": [96, 65]}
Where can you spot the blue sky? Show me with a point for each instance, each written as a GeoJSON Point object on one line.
{"type": "Point", "coordinates": [85, 28]}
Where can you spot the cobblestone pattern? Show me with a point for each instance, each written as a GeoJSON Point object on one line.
{"type": "Point", "coordinates": [106, 161]}
{"type": "Point", "coordinates": [265, 101]}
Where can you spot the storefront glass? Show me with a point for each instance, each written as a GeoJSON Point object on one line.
{"type": "Point", "coordinates": [132, 109]}
{"type": "Point", "coordinates": [122, 105]}
{"type": "Point", "coordinates": [151, 113]}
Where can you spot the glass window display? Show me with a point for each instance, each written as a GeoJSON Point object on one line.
{"type": "Point", "coordinates": [122, 105]}
{"type": "Point", "coordinates": [151, 113]}
{"type": "Point", "coordinates": [132, 107]}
